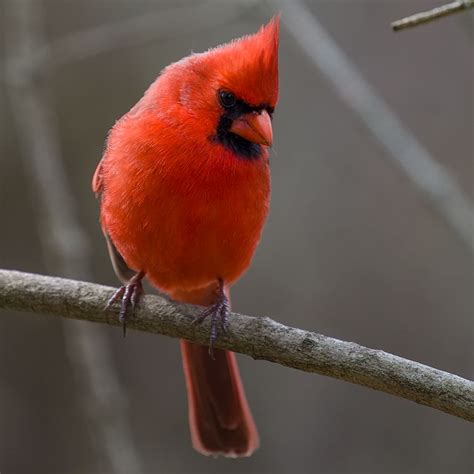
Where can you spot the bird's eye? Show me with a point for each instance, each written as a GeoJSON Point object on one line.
{"type": "Point", "coordinates": [227, 99]}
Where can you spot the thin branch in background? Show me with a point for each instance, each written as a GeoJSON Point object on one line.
{"type": "Point", "coordinates": [429, 177]}
{"type": "Point", "coordinates": [131, 32]}
{"type": "Point", "coordinates": [64, 244]}
{"type": "Point", "coordinates": [260, 338]}
{"type": "Point", "coordinates": [430, 15]}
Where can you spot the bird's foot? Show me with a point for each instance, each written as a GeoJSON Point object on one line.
{"type": "Point", "coordinates": [219, 313]}
{"type": "Point", "coordinates": [129, 296]}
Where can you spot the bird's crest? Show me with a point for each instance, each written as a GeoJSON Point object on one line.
{"type": "Point", "coordinates": [248, 66]}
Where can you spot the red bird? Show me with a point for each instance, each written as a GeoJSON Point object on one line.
{"type": "Point", "coordinates": [185, 185]}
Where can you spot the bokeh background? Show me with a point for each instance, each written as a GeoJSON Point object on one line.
{"type": "Point", "coordinates": [352, 248]}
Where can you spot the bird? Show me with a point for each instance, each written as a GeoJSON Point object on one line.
{"type": "Point", "coordinates": [184, 190]}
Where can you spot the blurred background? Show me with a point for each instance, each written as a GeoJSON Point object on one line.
{"type": "Point", "coordinates": [369, 237]}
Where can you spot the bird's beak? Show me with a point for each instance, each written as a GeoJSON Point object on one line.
{"type": "Point", "coordinates": [255, 127]}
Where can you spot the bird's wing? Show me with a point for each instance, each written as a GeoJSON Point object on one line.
{"type": "Point", "coordinates": [97, 181]}
{"type": "Point", "coordinates": [122, 270]}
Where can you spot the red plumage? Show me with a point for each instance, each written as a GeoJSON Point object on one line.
{"type": "Point", "coordinates": [184, 200]}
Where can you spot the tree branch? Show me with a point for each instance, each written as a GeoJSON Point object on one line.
{"type": "Point", "coordinates": [430, 15]}
{"type": "Point", "coordinates": [260, 338]}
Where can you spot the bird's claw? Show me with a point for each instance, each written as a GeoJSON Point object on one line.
{"type": "Point", "coordinates": [129, 296]}
{"type": "Point", "coordinates": [219, 313]}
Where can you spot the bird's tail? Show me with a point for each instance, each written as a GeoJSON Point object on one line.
{"type": "Point", "coordinates": [219, 416]}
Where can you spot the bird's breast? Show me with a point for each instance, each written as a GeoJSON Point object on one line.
{"type": "Point", "coordinates": [186, 219]}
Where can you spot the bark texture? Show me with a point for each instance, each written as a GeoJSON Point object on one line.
{"type": "Point", "coordinates": [258, 337]}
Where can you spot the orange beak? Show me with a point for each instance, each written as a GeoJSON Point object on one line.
{"type": "Point", "coordinates": [255, 127]}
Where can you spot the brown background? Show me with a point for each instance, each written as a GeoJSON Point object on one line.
{"type": "Point", "coordinates": [350, 250]}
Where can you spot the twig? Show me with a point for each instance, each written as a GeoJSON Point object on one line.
{"type": "Point", "coordinates": [430, 15]}
{"type": "Point", "coordinates": [260, 338]}
{"type": "Point", "coordinates": [429, 177]}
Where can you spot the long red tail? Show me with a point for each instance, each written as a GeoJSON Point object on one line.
{"type": "Point", "coordinates": [219, 416]}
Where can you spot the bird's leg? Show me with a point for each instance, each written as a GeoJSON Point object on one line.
{"type": "Point", "coordinates": [129, 296]}
{"type": "Point", "coordinates": [219, 312]}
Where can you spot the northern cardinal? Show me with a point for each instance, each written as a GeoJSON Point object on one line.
{"type": "Point", "coordinates": [184, 185]}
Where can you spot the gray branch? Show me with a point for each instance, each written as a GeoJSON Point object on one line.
{"type": "Point", "coordinates": [258, 337]}
{"type": "Point", "coordinates": [430, 15]}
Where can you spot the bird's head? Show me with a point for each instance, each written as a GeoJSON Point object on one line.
{"type": "Point", "coordinates": [227, 94]}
